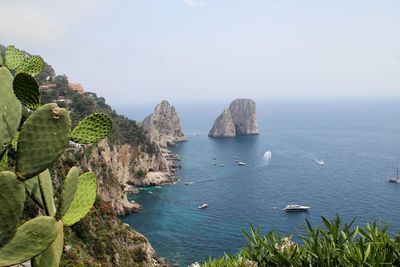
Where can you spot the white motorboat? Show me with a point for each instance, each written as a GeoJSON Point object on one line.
{"type": "Point", "coordinates": [205, 205]}
{"type": "Point", "coordinates": [188, 183]}
{"type": "Point", "coordinates": [296, 208]}
{"type": "Point", "coordinates": [320, 162]}
{"type": "Point", "coordinates": [240, 163]}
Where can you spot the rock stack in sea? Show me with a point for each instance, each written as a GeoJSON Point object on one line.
{"type": "Point", "coordinates": [163, 125]}
{"type": "Point", "coordinates": [239, 119]}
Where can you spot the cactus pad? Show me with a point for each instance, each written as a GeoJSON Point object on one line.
{"type": "Point", "coordinates": [14, 141]}
{"type": "Point", "coordinates": [32, 65]}
{"type": "Point", "coordinates": [10, 109]}
{"type": "Point", "coordinates": [27, 90]}
{"type": "Point", "coordinates": [31, 239]}
{"type": "Point", "coordinates": [4, 162]}
{"type": "Point", "coordinates": [33, 189]}
{"type": "Point", "coordinates": [91, 129]}
{"type": "Point", "coordinates": [84, 198]}
{"type": "Point", "coordinates": [43, 138]}
{"type": "Point", "coordinates": [52, 255]}
{"type": "Point", "coordinates": [68, 191]}
{"type": "Point", "coordinates": [13, 57]}
{"type": "Point", "coordinates": [12, 200]}
{"type": "Point", "coordinates": [46, 187]}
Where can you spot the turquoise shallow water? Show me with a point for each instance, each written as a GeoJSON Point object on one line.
{"type": "Point", "coordinates": [359, 140]}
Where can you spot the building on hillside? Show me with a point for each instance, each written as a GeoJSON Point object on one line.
{"type": "Point", "coordinates": [47, 86]}
{"type": "Point", "coordinates": [77, 87]}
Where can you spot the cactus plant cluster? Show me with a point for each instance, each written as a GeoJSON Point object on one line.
{"type": "Point", "coordinates": [32, 138]}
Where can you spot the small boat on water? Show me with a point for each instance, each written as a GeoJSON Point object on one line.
{"type": "Point", "coordinates": [203, 206]}
{"type": "Point", "coordinates": [320, 162]}
{"type": "Point", "coordinates": [214, 158]}
{"type": "Point", "coordinates": [395, 179]}
{"type": "Point", "coordinates": [240, 163]}
{"type": "Point", "coordinates": [296, 208]}
{"type": "Point", "coordinates": [188, 183]}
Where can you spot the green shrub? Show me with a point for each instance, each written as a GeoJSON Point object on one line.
{"type": "Point", "coordinates": [142, 174]}
{"type": "Point", "coordinates": [335, 244]}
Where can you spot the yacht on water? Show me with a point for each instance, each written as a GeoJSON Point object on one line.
{"type": "Point", "coordinates": [296, 208]}
{"type": "Point", "coordinates": [397, 178]}
{"type": "Point", "coordinates": [240, 163]}
{"type": "Point", "coordinates": [320, 162]}
{"type": "Point", "coordinates": [205, 205]}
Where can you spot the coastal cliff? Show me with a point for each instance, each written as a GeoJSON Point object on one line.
{"type": "Point", "coordinates": [125, 159]}
{"type": "Point", "coordinates": [239, 119]}
{"type": "Point", "coordinates": [163, 125]}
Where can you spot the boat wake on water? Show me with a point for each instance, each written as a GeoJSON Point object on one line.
{"type": "Point", "coordinates": [267, 157]}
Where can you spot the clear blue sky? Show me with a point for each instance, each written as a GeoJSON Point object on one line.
{"type": "Point", "coordinates": [187, 50]}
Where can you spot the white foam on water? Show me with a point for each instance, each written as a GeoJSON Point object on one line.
{"type": "Point", "coordinates": [267, 156]}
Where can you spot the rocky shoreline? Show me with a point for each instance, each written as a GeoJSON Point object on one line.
{"type": "Point", "coordinates": [153, 178]}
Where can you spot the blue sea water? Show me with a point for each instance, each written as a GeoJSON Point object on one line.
{"type": "Point", "coordinates": [359, 140]}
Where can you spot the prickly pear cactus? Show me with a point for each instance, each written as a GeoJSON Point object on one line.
{"type": "Point", "coordinates": [13, 57]}
{"type": "Point", "coordinates": [32, 65]}
{"type": "Point", "coordinates": [46, 188]}
{"type": "Point", "coordinates": [22, 63]}
{"type": "Point", "coordinates": [68, 191]}
{"type": "Point", "coordinates": [10, 109]}
{"type": "Point", "coordinates": [12, 200]}
{"type": "Point", "coordinates": [84, 198]}
{"type": "Point", "coordinates": [44, 135]}
{"type": "Point", "coordinates": [91, 129]}
{"type": "Point", "coordinates": [52, 255]}
{"type": "Point", "coordinates": [43, 138]}
{"type": "Point", "coordinates": [4, 162]}
{"type": "Point", "coordinates": [26, 90]}
{"type": "Point", "coordinates": [14, 141]}
{"type": "Point", "coordinates": [31, 239]}
{"type": "Point", "coordinates": [32, 188]}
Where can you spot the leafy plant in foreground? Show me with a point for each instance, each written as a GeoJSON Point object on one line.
{"type": "Point", "coordinates": [32, 138]}
{"type": "Point", "coordinates": [335, 244]}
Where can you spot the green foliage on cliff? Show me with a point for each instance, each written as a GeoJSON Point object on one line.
{"type": "Point", "coordinates": [102, 240]}
{"type": "Point", "coordinates": [125, 131]}
{"type": "Point", "coordinates": [335, 244]}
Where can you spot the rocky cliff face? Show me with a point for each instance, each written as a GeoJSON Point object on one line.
{"type": "Point", "coordinates": [121, 167]}
{"type": "Point", "coordinates": [223, 125]}
{"type": "Point", "coordinates": [163, 125]}
{"type": "Point", "coordinates": [243, 113]}
{"type": "Point", "coordinates": [239, 119]}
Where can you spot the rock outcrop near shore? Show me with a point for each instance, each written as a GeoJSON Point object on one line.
{"type": "Point", "coordinates": [239, 119]}
{"type": "Point", "coordinates": [163, 125]}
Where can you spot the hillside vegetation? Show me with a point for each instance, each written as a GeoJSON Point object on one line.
{"type": "Point", "coordinates": [99, 239]}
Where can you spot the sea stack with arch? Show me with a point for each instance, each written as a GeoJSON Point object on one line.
{"type": "Point", "coordinates": [239, 119]}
